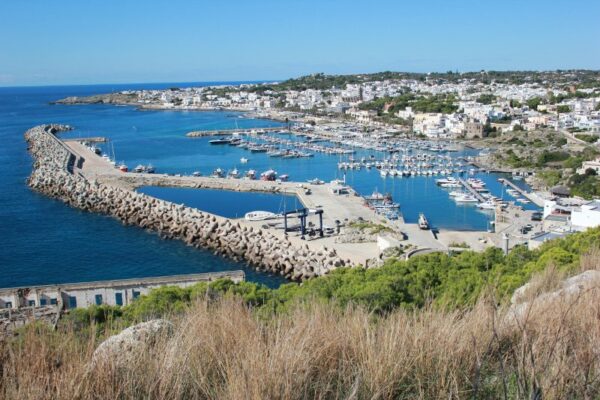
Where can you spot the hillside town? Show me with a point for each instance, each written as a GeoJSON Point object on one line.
{"type": "Point", "coordinates": [428, 105]}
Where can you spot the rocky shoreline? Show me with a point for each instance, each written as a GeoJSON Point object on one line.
{"type": "Point", "coordinates": [52, 175]}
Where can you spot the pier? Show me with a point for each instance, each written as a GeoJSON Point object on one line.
{"type": "Point", "coordinates": [227, 132]}
{"type": "Point", "coordinates": [534, 198]}
{"type": "Point", "coordinates": [92, 139]}
{"type": "Point", "coordinates": [474, 192]}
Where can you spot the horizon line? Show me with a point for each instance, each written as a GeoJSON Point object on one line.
{"type": "Point", "coordinates": [251, 81]}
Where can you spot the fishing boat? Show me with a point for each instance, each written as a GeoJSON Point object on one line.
{"type": "Point", "coordinates": [197, 173]}
{"type": "Point", "coordinates": [259, 215]}
{"type": "Point", "coordinates": [123, 167]}
{"type": "Point", "coordinates": [423, 223]}
{"type": "Point", "coordinates": [217, 173]}
{"type": "Point", "coordinates": [251, 174]}
{"type": "Point", "coordinates": [284, 178]}
{"type": "Point", "coordinates": [234, 173]}
{"type": "Point", "coordinates": [269, 175]}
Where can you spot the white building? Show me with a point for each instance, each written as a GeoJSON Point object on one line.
{"type": "Point", "coordinates": [586, 216]}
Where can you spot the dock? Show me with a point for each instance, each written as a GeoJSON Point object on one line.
{"type": "Point", "coordinates": [534, 198]}
{"type": "Point", "coordinates": [227, 132]}
{"type": "Point", "coordinates": [92, 139]}
{"type": "Point", "coordinates": [474, 192]}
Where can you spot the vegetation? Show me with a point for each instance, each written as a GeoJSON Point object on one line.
{"type": "Point", "coordinates": [586, 185]}
{"type": "Point", "coordinates": [587, 138]}
{"type": "Point", "coordinates": [372, 227]}
{"type": "Point", "coordinates": [222, 349]}
{"type": "Point", "coordinates": [486, 98]}
{"type": "Point", "coordinates": [421, 104]}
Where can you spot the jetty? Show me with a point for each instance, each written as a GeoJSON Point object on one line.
{"type": "Point", "coordinates": [228, 132]}
{"type": "Point", "coordinates": [474, 192]}
{"type": "Point", "coordinates": [534, 198]}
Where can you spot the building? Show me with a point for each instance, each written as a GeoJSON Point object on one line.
{"type": "Point", "coordinates": [115, 293]}
{"type": "Point", "coordinates": [593, 165]}
{"type": "Point", "coordinates": [473, 130]}
{"type": "Point", "coordinates": [586, 216]}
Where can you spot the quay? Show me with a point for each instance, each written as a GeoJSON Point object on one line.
{"type": "Point", "coordinates": [337, 208]}
{"type": "Point", "coordinates": [111, 292]}
{"type": "Point", "coordinates": [226, 132]}
{"type": "Point", "coordinates": [533, 197]}
{"type": "Point", "coordinates": [92, 139]}
{"type": "Point", "coordinates": [474, 192]}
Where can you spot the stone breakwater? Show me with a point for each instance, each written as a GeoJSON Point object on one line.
{"type": "Point", "coordinates": [52, 175]}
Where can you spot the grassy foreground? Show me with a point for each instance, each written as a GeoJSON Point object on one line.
{"type": "Point", "coordinates": [318, 341]}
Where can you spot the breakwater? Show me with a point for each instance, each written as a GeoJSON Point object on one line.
{"type": "Point", "coordinates": [53, 176]}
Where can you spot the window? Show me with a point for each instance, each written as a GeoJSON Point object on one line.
{"type": "Point", "coordinates": [53, 302]}
{"type": "Point", "coordinates": [43, 302]}
{"type": "Point", "coordinates": [8, 304]}
{"type": "Point", "coordinates": [98, 299]}
{"type": "Point", "coordinates": [31, 303]}
{"type": "Point", "coordinates": [119, 299]}
{"type": "Point", "coordinates": [136, 294]}
{"type": "Point", "coordinates": [72, 302]}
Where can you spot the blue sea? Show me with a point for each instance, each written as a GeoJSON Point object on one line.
{"type": "Point", "coordinates": [43, 241]}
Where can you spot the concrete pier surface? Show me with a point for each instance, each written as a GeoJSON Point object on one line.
{"type": "Point", "coordinates": [342, 208]}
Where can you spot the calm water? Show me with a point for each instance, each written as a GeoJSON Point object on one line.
{"type": "Point", "coordinates": [225, 203]}
{"type": "Point", "coordinates": [44, 241]}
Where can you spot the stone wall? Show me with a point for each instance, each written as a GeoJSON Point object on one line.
{"type": "Point", "coordinates": [257, 247]}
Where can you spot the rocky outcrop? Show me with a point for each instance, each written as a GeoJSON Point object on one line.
{"type": "Point", "coordinates": [570, 289]}
{"type": "Point", "coordinates": [52, 175]}
{"type": "Point", "coordinates": [121, 349]}
{"type": "Point", "coordinates": [110, 98]}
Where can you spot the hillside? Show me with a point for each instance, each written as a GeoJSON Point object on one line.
{"type": "Point", "coordinates": [436, 326]}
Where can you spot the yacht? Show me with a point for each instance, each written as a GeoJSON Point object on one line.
{"type": "Point", "coordinates": [465, 198]}
{"type": "Point", "coordinates": [259, 215]}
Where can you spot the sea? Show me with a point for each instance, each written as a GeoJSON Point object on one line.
{"type": "Point", "coordinates": [43, 241]}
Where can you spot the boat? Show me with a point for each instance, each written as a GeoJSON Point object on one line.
{"type": "Point", "coordinates": [244, 160]}
{"type": "Point", "coordinates": [259, 215]}
{"type": "Point", "coordinates": [234, 174]}
{"type": "Point", "coordinates": [220, 141]}
{"type": "Point", "coordinates": [197, 173]}
{"type": "Point", "coordinates": [284, 178]}
{"type": "Point", "coordinates": [269, 175]}
{"type": "Point", "coordinates": [423, 223]}
{"type": "Point", "coordinates": [123, 168]}
{"type": "Point", "coordinates": [140, 168]}
{"type": "Point", "coordinates": [217, 173]}
{"type": "Point", "coordinates": [251, 174]}
{"type": "Point", "coordinates": [150, 169]}
{"type": "Point", "coordinates": [466, 198]}
{"type": "Point", "coordinates": [487, 205]}
{"type": "Point", "coordinates": [315, 181]}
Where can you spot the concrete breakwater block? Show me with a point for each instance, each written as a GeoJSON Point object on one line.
{"type": "Point", "coordinates": [261, 249]}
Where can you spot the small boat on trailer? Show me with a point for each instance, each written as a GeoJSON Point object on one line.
{"type": "Point", "coordinates": [423, 223]}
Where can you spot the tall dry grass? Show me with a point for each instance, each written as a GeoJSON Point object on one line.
{"type": "Point", "coordinates": [223, 350]}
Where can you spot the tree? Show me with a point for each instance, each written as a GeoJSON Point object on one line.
{"type": "Point", "coordinates": [534, 102]}
{"type": "Point", "coordinates": [563, 108]}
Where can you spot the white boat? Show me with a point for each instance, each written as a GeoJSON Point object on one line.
{"type": "Point", "coordinates": [423, 223]}
{"type": "Point", "coordinates": [259, 215]}
{"type": "Point", "coordinates": [234, 173]}
{"type": "Point", "coordinates": [315, 181]}
{"type": "Point", "coordinates": [244, 160]}
{"type": "Point", "coordinates": [466, 198]}
{"type": "Point", "coordinates": [488, 205]}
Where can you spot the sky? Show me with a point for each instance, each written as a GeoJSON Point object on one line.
{"type": "Point", "coordinates": [129, 41]}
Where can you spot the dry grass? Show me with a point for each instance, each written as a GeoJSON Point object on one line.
{"type": "Point", "coordinates": [223, 351]}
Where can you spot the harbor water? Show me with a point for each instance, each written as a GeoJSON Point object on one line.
{"type": "Point", "coordinates": [46, 242]}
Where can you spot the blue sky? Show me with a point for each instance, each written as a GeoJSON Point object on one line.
{"type": "Point", "coordinates": [84, 42]}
